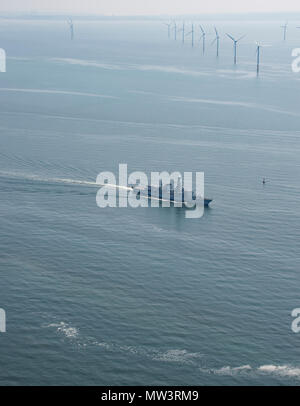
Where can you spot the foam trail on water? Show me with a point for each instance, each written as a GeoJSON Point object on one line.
{"type": "Point", "coordinates": [180, 70]}
{"type": "Point", "coordinates": [282, 370]}
{"type": "Point", "coordinates": [65, 329]}
{"type": "Point", "coordinates": [179, 356]}
{"type": "Point", "coordinates": [271, 109]}
{"type": "Point", "coordinates": [60, 92]}
{"type": "Point", "coordinates": [137, 67]}
{"type": "Point", "coordinates": [232, 370]}
{"type": "Point", "coordinates": [276, 370]}
{"type": "Point", "coordinates": [235, 131]}
{"type": "Point", "coordinates": [176, 356]}
{"type": "Point", "coordinates": [58, 180]}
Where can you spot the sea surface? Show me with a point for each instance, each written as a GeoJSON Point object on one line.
{"type": "Point", "coordinates": [123, 296]}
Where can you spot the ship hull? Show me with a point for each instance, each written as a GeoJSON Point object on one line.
{"type": "Point", "coordinates": [157, 193]}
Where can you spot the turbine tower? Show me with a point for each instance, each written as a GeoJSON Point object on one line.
{"type": "Point", "coordinates": [258, 58]}
{"type": "Point", "coordinates": [175, 30]}
{"type": "Point", "coordinates": [235, 42]}
{"type": "Point", "coordinates": [71, 25]}
{"type": "Point", "coordinates": [203, 37]}
{"type": "Point", "coordinates": [183, 32]}
{"type": "Point", "coordinates": [192, 33]}
{"type": "Point", "coordinates": [285, 26]}
{"type": "Point", "coordinates": [258, 53]}
{"type": "Point", "coordinates": [169, 29]}
{"type": "Point", "coordinates": [217, 40]}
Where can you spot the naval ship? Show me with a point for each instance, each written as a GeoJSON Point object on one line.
{"type": "Point", "coordinates": [173, 195]}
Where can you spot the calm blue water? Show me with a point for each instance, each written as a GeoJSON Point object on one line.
{"type": "Point", "coordinates": [144, 296]}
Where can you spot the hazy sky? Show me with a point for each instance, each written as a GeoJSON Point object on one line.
{"type": "Point", "coordinates": [133, 7]}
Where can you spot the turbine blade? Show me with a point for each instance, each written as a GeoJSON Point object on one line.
{"type": "Point", "coordinates": [241, 38]}
{"type": "Point", "coordinates": [201, 28]}
{"type": "Point", "coordinates": [228, 35]}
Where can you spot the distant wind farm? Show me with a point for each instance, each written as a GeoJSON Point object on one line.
{"type": "Point", "coordinates": [202, 35]}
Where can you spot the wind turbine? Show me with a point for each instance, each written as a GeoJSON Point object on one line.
{"type": "Point", "coordinates": [175, 30]}
{"type": "Point", "coordinates": [71, 25]}
{"type": "Point", "coordinates": [217, 40]}
{"type": "Point", "coordinates": [235, 41]}
{"type": "Point", "coordinates": [169, 29]}
{"type": "Point", "coordinates": [285, 26]}
{"type": "Point", "coordinates": [258, 49]}
{"type": "Point", "coordinates": [192, 33]}
{"type": "Point", "coordinates": [203, 36]}
{"type": "Point", "coordinates": [183, 32]}
{"type": "Point", "coordinates": [258, 58]}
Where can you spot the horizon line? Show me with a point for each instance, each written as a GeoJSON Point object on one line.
{"type": "Point", "coordinates": [31, 13]}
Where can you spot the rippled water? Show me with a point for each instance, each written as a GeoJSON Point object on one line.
{"type": "Point", "coordinates": [144, 296]}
